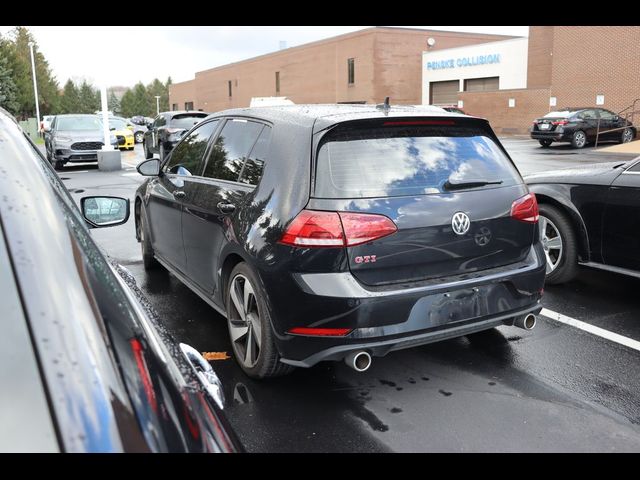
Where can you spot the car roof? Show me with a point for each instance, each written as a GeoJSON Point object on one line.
{"type": "Point", "coordinates": [173, 113]}
{"type": "Point", "coordinates": [308, 115]}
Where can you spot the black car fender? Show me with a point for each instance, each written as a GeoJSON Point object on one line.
{"type": "Point", "coordinates": [558, 196]}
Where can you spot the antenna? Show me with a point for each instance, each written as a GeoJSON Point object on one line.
{"type": "Point", "coordinates": [385, 105]}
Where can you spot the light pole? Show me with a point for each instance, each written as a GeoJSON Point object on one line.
{"type": "Point", "coordinates": [157, 104]}
{"type": "Point", "coordinates": [35, 86]}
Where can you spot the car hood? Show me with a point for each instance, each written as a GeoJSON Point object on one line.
{"type": "Point", "coordinates": [591, 173]}
{"type": "Point", "coordinates": [82, 136]}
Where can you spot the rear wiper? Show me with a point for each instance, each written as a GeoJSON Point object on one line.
{"type": "Point", "coordinates": [472, 184]}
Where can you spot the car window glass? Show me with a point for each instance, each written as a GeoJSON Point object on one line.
{"type": "Point", "coordinates": [589, 115]}
{"type": "Point", "coordinates": [231, 148]}
{"type": "Point", "coordinates": [160, 121]}
{"type": "Point", "coordinates": [635, 168]}
{"type": "Point", "coordinates": [186, 121]}
{"type": "Point", "coordinates": [252, 171]}
{"type": "Point", "coordinates": [186, 158]}
{"type": "Point", "coordinates": [606, 115]}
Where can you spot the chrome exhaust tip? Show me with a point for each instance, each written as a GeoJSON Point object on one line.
{"type": "Point", "coordinates": [359, 361]}
{"type": "Point", "coordinates": [526, 322]}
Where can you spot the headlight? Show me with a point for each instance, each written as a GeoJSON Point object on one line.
{"type": "Point", "coordinates": [63, 139]}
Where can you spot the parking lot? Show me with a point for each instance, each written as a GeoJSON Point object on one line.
{"type": "Point", "coordinates": [556, 388]}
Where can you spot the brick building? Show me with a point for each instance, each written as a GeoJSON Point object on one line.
{"type": "Point", "coordinates": [362, 66]}
{"type": "Point", "coordinates": [509, 80]}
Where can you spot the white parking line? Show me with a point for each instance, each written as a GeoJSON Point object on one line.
{"type": "Point", "coordinates": [601, 332]}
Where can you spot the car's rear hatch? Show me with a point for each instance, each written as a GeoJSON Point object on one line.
{"type": "Point", "coordinates": [420, 173]}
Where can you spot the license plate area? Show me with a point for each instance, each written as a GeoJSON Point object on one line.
{"type": "Point", "coordinates": [545, 126]}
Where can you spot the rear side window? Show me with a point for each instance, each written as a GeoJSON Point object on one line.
{"type": "Point", "coordinates": [396, 161]}
{"type": "Point", "coordinates": [231, 149]}
{"type": "Point", "coordinates": [252, 171]}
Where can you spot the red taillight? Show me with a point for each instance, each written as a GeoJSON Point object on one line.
{"type": "Point", "coordinates": [525, 209]}
{"type": "Point", "coordinates": [321, 332]}
{"type": "Point", "coordinates": [144, 373]}
{"type": "Point", "coordinates": [560, 122]}
{"type": "Point", "coordinates": [336, 229]}
{"type": "Point", "coordinates": [419, 122]}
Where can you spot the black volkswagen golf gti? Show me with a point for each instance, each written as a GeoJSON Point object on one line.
{"type": "Point", "coordinates": [341, 232]}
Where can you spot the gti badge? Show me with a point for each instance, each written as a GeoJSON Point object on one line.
{"type": "Point", "coordinates": [460, 223]}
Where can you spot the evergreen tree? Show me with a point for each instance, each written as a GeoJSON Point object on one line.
{"type": "Point", "coordinates": [89, 98]}
{"type": "Point", "coordinates": [8, 89]}
{"type": "Point", "coordinates": [126, 104]}
{"type": "Point", "coordinates": [70, 99]}
{"type": "Point", "coordinates": [114, 103]}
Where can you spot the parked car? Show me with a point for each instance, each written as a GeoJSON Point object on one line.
{"type": "Point", "coordinates": [123, 132]}
{"type": "Point", "coordinates": [590, 216]}
{"type": "Point", "coordinates": [167, 130]}
{"type": "Point", "coordinates": [580, 126]}
{"type": "Point", "coordinates": [75, 138]}
{"type": "Point", "coordinates": [139, 126]}
{"type": "Point", "coordinates": [86, 367]}
{"type": "Point", "coordinates": [343, 232]}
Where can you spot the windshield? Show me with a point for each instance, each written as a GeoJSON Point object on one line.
{"type": "Point", "coordinates": [186, 121]}
{"type": "Point", "coordinates": [80, 123]}
{"type": "Point", "coordinates": [391, 162]}
{"type": "Point", "coordinates": [118, 123]}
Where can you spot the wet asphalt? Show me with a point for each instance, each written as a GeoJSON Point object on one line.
{"type": "Point", "coordinates": [552, 389]}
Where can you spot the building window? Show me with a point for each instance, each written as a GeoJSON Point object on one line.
{"type": "Point", "coordinates": [187, 106]}
{"type": "Point", "coordinates": [599, 99]}
{"type": "Point", "coordinates": [351, 70]}
{"type": "Point", "coordinates": [174, 106]}
{"type": "Point", "coordinates": [230, 89]}
{"type": "Point", "coordinates": [481, 84]}
{"type": "Point", "coordinates": [277, 83]}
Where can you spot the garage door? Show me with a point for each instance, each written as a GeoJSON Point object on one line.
{"type": "Point", "coordinates": [444, 93]}
{"type": "Point", "coordinates": [481, 84]}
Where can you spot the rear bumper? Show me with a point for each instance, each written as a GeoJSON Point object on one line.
{"type": "Point", "coordinates": [386, 319]}
{"type": "Point", "coordinates": [554, 136]}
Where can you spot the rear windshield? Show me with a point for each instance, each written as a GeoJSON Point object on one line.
{"type": "Point", "coordinates": [186, 121]}
{"type": "Point", "coordinates": [563, 114]}
{"type": "Point", "coordinates": [398, 161]}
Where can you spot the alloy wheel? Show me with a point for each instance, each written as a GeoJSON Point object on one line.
{"type": "Point", "coordinates": [245, 327]}
{"type": "Point", "coordinates": [551, 243]}
{"type": "Point", "coordinates": [580, 139]}
{"type": "Point", "coordinates": [627, 135]}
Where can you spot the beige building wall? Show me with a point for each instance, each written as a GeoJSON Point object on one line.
{"type": "Point", "coordinates": [388, 62]}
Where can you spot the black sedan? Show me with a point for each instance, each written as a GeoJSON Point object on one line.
{"type": "Point", "coordinates": [167, 130]}
{"type": "Point", "coordinates": [85, 364]}
{"type": "Point", "coordinates": [591, 216]}
{"type": "Point", "coordinates": [580, 126]}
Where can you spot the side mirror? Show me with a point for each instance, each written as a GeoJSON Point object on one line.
{"type": "Point", "coordinates": [149, 168]}
{"type": "Point", "coordinates": [104, 211]}
{"type": "Point", "coordinates": [149, 125]}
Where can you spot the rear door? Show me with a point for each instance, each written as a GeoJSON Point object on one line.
{"type": "Point", "coordinates": [214, 201]}
{"type": "Point", "coordinates": [621, 226]}
{"type": "Point", "coordinates": [168, 192]}
{"type": "Point", "coordinates": [590, 123]}
{"type": "Point", "coordinates": [400, 169]}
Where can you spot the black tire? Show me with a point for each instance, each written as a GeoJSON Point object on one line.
{"type": "Point", "coordinates": [148, 260]}
{"type": "Point", "coordinates": [58, 165]}
{"type": "Point", "coordinates": [545, 143]}
{"type": "Point", "coordinates": [578, 139]}
{"type": "Point", "coordinates": [567, 267]}
{"type": "Point", "coordinates": [267, 364]}
{"type": "Point", "coordinates": [147, 153]}
{"type": "Point", "coordinates": [138, 137]}
{"type": "Point", "coordinates": [627, 135]}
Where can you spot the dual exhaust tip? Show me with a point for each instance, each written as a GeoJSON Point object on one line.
{"type": "Point", "coordinates": [360, 360]}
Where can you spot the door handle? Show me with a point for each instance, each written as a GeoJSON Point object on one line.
{"type": "Point", "coordinates": [179, 194]}
{"type": "Point", "coordinates": [226, 207]}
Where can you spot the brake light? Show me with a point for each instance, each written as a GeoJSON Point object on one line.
{"type": "Point", "coordinates": [525, 209]}
{"type": "Point", "coordinates": [144, 373]}
{"type": "Point", "coordinates": [419, 122]}
{"type": "Point", "coordinates": [560, 122]}
{"type": "Point", "coordinates": [336, 229]}
{"type": "Point", "coordinates": [321, 332]}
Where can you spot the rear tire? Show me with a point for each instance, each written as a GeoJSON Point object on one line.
{"type": "Point", "coordinates": [250, 324]}
{"type": "Point", "coordinates": [148, 260]}
{"type": "Point", "coordinates": [578, 139]}
{"type": "Point", "coordinates": [627, 135]}
{"type": "Point", "coordinates": [562, 267]}
{"type": "Point", "coordinates": [545, 143]}
{"type": "Point", "coordinates": [139, 137]}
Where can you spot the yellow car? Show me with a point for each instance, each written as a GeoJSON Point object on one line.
{"type": "Point", "coordinates": [123, 132]}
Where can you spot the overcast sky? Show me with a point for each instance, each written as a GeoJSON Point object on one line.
{"type": "Point", "coordinates": [126, 55]}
